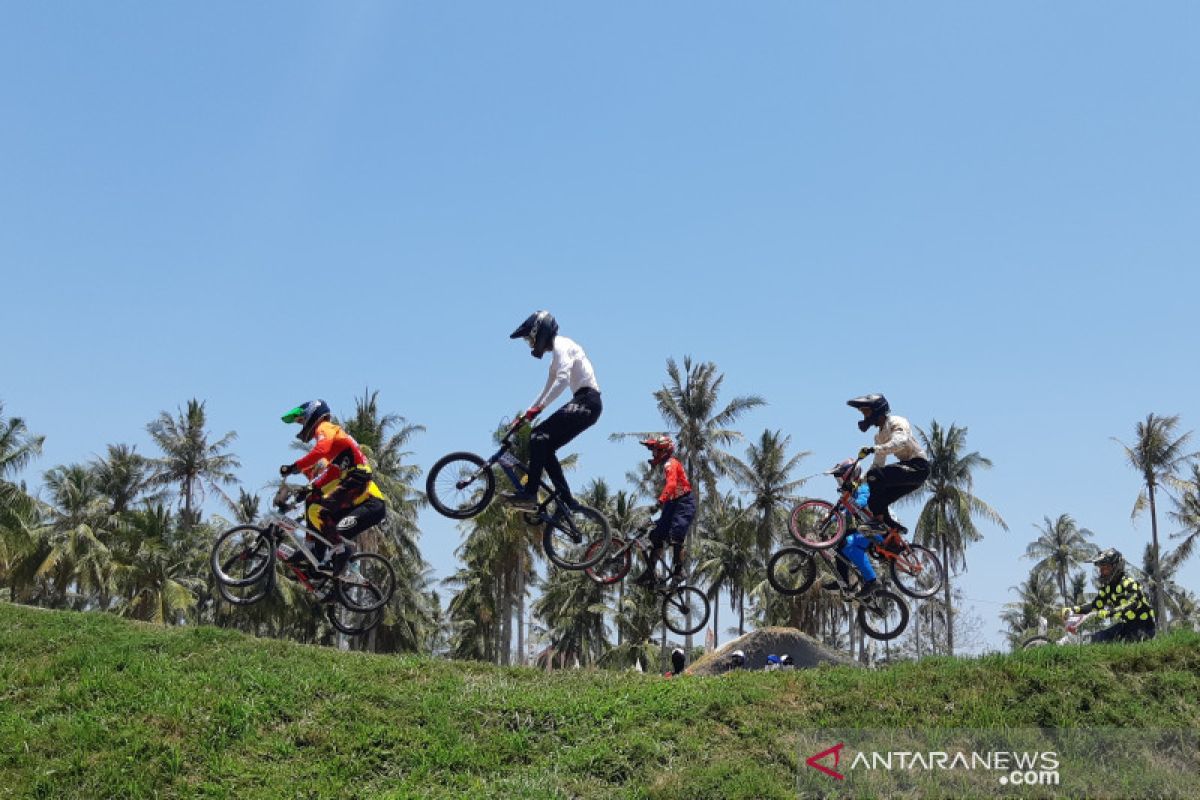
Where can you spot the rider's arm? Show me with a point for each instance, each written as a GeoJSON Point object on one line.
{"type": "Point", "coordinates": [321, 449]}
{"type": "Point", "coordinates": [556, 381]}
{"type": "Point", "coordinates": [672, 472]}
{"type": "Point", "coordinates": [1087, 608]}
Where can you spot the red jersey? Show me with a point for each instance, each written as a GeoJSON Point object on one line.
{"type": "Point", "coordinates": [677, 482]}
{"type": "Point", "coordinates": [338, 448]}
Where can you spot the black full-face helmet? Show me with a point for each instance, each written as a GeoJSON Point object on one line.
{"type": "Point", "coordinates": [539, 330]}
{"type": "Point", "coordinates": [874, 408]}
{"type": "Point", "coordinates": [1110, 566]}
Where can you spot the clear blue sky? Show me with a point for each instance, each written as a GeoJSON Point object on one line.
{"type": "Point", "coordinates": [986, 211]}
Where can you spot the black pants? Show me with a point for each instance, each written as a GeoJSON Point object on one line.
{"type": "Point", "coordinates": [1134, 630]}
{"type": "Point", "coordinates": [891, 482]}
{"type": "Point", "coordinates": [349, 522]}
{"type": "Point", "coordinates": [559, 428]}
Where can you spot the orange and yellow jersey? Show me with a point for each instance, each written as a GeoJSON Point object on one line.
{"type": "Point", "coordinates": [343, 456]}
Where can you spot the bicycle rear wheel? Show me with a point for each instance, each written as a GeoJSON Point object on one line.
{"type": "Point", "coordinates": [250, 593]}
{"type": "Point", "coordinates": [614, 566]}
{"type": "Point", "coordinates": [816, 524]}
{"type": "Point", "coordinates": [367, 583]}
{"type": "Point", "coordinates": [576, 539]}
{"type": "Point", "coordinates": [352, 622]}
{"type": "Point", "coordinates": [241, 556]}
{"type": "Point", "coordinates": [884, 616]}
{"type": "Point", "coordinates": [917, 572]}
{"type": "Point", "coordinates": [791, 571]}
{"type": "Point", "coordinates": [685, 610]}
{"type": "Point", "coordinates": [460, 485]}
{"type": "Point", "coordinates": [1034, 642]}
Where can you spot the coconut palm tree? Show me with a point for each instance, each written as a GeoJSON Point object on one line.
{"type": "Point", "coordinates": [72, 559]}
{"type": "Point", "coordinates": [157, 583]}
{"type": "Point", "coordinates": [1035, 601]}
{"type": "Point", "coordinates": [1157, 454]}
{"type": "Point", "coordinates": [947, 519]}
{"type": "Point", "coordinates": [124, 476]}
{"type": "Point", "coordinates": [1061, 547]}
{"type": "Point", "coordinates": [1187, 514]}
{"type": "Point", "coordinates": [729, 555]}
{"type": "Point", "coordinates": [766, 476]}
{"type": "Point", "coordinates": [572, 607]}
{"type": "Point", "coordinates": [189, 460]}
{"type": "Point", "coordinates": [17, 449]}
{"type": "Point", "coordinates": [688, 404]}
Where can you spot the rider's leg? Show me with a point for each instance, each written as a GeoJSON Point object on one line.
{"type": "Point", "coordinates": [560, 428]}
{"type": "Point", "coordinates": [658, 539]}
{"type": "Point", "coordinates": [682, 514]}
{"type": "Point", "coordinates": [890, 483]}
{"type": "Point", "coordinates": [349, 525]}
{"type": "Point", "coordinates": [1128, 631]}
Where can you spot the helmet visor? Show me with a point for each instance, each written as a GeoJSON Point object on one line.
{"type": "Point", "coordinates": [295, 415]}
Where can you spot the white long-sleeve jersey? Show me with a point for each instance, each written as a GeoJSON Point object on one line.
{"type": "Point", "coordinates": [569, 367]}
{"type": "Point", "coordinates": [895, 437]}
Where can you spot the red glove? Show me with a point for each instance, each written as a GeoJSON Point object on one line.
{"type": "Point", "coordinates": [532, 412]}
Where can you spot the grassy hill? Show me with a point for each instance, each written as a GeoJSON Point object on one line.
{"type": "Point", "coordinates": [93, 706]}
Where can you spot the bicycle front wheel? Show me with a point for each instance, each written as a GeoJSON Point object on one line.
{"type": "Point", "coordinates": [791, 571]}
{"type": "Point", "coordinates": [1034, 642]}
{"type": "Point", "coordinates": [615, 564]}
{"type": "Point", "coordinates": [576, 539]}
{"type": "Point", "coordinates": [367, 583]}
{"type": "Point", "coordinates": [917, 572]}
{"type": "Point", "coordinates": [352, 622]}
{"type": "Point", "coordinates": [460, 485]}
{"type": "Point", "coordinates": [817, 525]}
{"type": "Point", "coordinates": [884, 616]}
{"type": "Point", "coordinates": [685, 610]}
{"type": "Point", "coordinates": [241, 556]}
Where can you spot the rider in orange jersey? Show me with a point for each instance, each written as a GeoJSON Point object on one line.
{"type": "Point", "coordinates": [342, 500]}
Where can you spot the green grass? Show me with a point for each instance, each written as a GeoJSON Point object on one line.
{"type": "Point", "coordinates": [93, 706]}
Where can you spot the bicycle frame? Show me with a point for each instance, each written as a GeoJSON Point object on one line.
{"type": "Point", "coordinates": [857, 514]}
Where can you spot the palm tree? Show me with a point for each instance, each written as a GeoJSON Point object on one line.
{"type": "Point", "coordinates": [1035, 601]}
{"type": "Point", "coordinates": [73, 559]}
{"type": "Point", "coordinates": [1061, 548]}
{"type": "Point", "coordinates": [1157, 454]}
{"type": "Point", "coordinates": [17, 449]}
{"type": "Point", "coordinates": [947, 519]}
{"type": "Point", "coordinates": [572, 607]}
{"type": "Point", "coordinates": [766, 476]}
{"type": "Point", "coordinates": [688, 403]}
{"type": "Point", "coordinates": [157, 583]}
{"type": "Point", "coordinates": [189, 460]}
{"type": "Point", "coordinates": [124, 476]}
{"type": "Point", "coordinates": [1187, 514]}
{"type": "Point", "coordinates": [729, 555]}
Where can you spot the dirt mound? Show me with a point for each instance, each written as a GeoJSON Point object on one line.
{"type": "Point", "coordinates": [806, 651]}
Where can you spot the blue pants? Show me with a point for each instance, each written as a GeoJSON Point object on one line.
{"type": "Point", "coordinates": [674, 521]}
{"type": "Point", "coordinates": [854, 547]}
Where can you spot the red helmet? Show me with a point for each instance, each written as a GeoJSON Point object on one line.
{"type": "Point", "coordinates": [661, 448]}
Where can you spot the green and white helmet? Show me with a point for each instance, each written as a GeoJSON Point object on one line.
{"type": "Point", "coordinates": [309, 415]}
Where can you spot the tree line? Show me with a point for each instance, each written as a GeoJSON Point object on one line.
{"type": "Point", "coordinates": [125, 533]}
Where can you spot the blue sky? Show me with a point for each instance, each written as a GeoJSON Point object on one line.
{"type": "Point", "coordinates": [986, 211]}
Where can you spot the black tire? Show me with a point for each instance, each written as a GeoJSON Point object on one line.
{"type": "Point", "coordinates": [367, 583]}
{"type": "Point", "coordinates": [791, 571]}
{"type": "Point", "coordinates": [247, 595]}
{"type": "Point", "coordinates": [816, 524]}
{"type": "Point", "coordinates": [460, 485]}
{"type": "Point", "coordinates": [685, 610]}
{"type": "Point", "coordinates": [918, 573]}
{"type": "Point", "coordinates": [886, 618]}
{"type": "Point", "coordinates": [576, 539]}
{"type": "Point", "coordinates": [614, 566]}
{"type": "Point", "coordinates": [1034, 642]}
{"type": "Point", "coordinates": [242, 555]}
{"type": "Point", "coordinates": [352, 622]}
